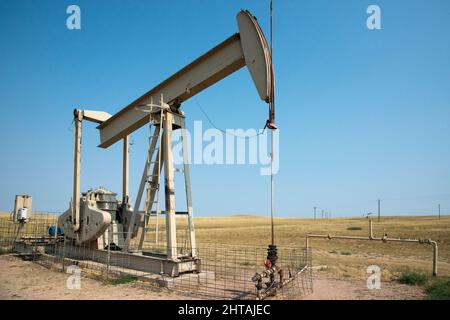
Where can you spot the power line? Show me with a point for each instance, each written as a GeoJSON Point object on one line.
{"type": "Point", "coordinates": [222, 130]}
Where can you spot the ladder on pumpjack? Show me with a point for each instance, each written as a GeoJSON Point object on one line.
{"type": "Point", "coordinates": [153, 168]}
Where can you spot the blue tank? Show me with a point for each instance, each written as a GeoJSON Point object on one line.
{"type": "Point", "coordinates": [51, 231]}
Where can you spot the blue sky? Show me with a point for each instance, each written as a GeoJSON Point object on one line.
{"type": "Point", "coordinates": [362, 114]}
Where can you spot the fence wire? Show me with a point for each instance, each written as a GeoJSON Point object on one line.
{"type": "Point", "coordinates": [218, 271]}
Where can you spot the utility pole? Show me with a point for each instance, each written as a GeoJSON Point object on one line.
{"type": "Point", "coordinates": [379, 213]}
{"type": "Point", "coordinates": [322, 214]}
{"type": "Point", "coordinates": [315, 208]}
{"type": "Point", "coordinates": [439, 210]}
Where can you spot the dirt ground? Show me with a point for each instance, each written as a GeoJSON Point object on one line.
{"type": "Point", "coordinates": [21, 279]}
{"type": "Point", "coordinates": [26, 280]}
{"type": "Point", "coordinates": [327, 288]}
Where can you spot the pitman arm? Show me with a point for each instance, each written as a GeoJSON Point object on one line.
{"type": "Point", "coordinates": [79, 116]}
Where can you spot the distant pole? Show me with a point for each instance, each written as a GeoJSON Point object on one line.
{"type": "Point", "coordinates": [439, 210]}
{"type": "Point", "coordinates": [315, 208]}
{"type": "Point", "coordinates": [379, 211]}
{"type": "Point", "coordinates": [322, 214]}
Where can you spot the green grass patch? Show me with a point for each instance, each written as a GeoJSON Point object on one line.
{"type": "Point", "coordinates": [121, 280]}
{"type": "Point", "coordinates": [413, 278]}
{"type": "Point", "coordinates": [346, 253]}
{"type": "Point", "coordinates": [5, 251]}
{"type": "Point", "coordinates": [354, 228]}
{"type": "Point", "coordinates": [439, 289]}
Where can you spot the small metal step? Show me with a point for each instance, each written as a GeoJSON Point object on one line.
{"type": "Point", "coordinates": [160, 212]}
{"type": "Point", "coordinates": [154, 185]}
{"type": "Point", "coordinates": [165, 212]}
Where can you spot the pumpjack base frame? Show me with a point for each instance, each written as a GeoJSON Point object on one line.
{"type": "Point", "coordinates": [145, 262]}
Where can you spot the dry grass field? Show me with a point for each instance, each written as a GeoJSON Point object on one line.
{"type": "Point", "coordinates": [344, 259]}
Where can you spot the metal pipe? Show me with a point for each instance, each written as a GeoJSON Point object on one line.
{"type": "Point", "coordinates": [272, 191]}
{"type": "Point", "coordinates": [125, 169]}
{"type": "Point", "coordinates": [383, 239]}
{"type": "Point", "coordinates": [257, 279]}
{"type": "Point", "coordinates": [435, 257]}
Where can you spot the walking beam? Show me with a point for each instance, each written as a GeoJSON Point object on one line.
{"type": "Point", "coordinates": [246, 48]}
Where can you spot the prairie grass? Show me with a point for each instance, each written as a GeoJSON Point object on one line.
{"type": "Point", "coordinates": [439, 289]}
{"type": "Point", "coordinates": [342, 257]}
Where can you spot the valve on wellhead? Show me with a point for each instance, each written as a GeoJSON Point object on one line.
{"type": "Point", "coordinates": [272, 256]}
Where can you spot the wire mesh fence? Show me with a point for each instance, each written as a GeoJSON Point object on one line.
{"type": "Point", "coordinates": [35, 230]}
{"type": "Point", "coordinates": [212, 271]}
{"type": "Point", "coordinates": [227, 272]}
